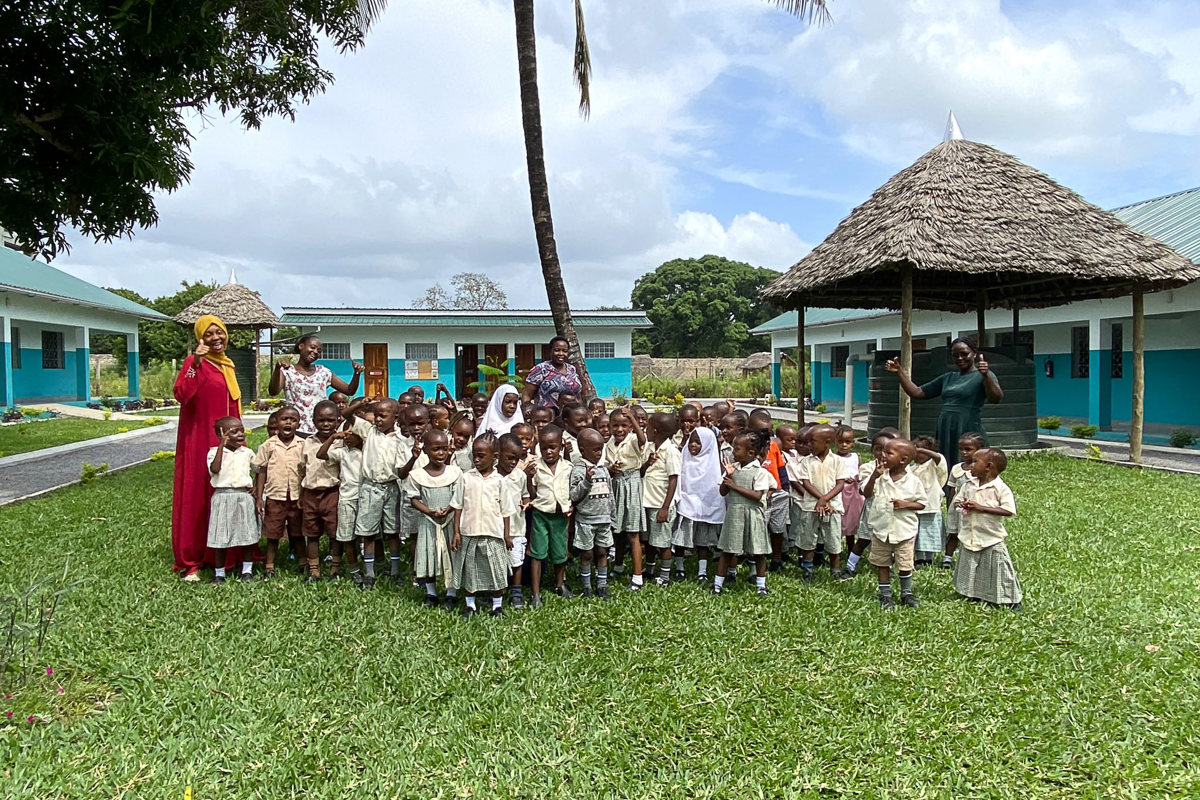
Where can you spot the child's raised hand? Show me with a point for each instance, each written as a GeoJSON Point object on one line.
{"type": "Point", "coordinates": [881, 469]}
{"type": "Point", "coordinates": [531, 468]}
{"type": "Point", "coordinates": [650, 459]}
{"type": "Point", "coordinates": [729, 468]}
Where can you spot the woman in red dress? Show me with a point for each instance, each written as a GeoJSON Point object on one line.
{"type": "Point", "coordinates": [207, 390]}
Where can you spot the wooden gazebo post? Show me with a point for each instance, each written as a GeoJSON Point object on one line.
{"type": "Point", "coordinates": [906, 304]}
{"type": "Point", "coordinates": [800, 360]}
{"type": "Point", "coordinates": [1137, 410]}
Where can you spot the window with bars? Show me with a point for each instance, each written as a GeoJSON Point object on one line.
{"type": "Point", "coordinates": [52, 350]}
{"type": "Point", "coordinates": [1118, 351]}
{"type": "Point", "coordinates": [837, 360]}
{"type": "Point", "coordinates": [335, 351]}
{"type": "Point", "coordinates": [599, 350]}
{"type": "Point", "coordinates": [420, 352]}
{"type": "Point", "coordinates": [1080, 346]}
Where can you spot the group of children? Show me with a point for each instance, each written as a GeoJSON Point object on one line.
{"type": "Point", "coordinates": [478, 495]}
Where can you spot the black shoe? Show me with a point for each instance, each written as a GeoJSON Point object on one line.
{"type": "Point", "coordinates": [910, 600]}
{"type": "Point", "coordinates": [586, 594]}
{"type": "Point", "coordinates": [602, 592]}
{"type": "Point", "coordinates": [680, 575]}
{"type": "Point", "coordinates": [449, 602]}
{"type": "Point", "coordinates": [806, 576]}
{"type": "Point", "coordinates": [247, 577]}
{"type": "Point", "coordinates": [887, 602]}
{"type": "Point", "coordinates": [1015, 607]}
{"type": "Point", "coordinates": [431, 601]}
{"type": "Point", "coordinates": [311, 578]}
{"type": "Point", "coordinates": [468, 612]}
{"type": "Point", "coordinates": [218, 580]}
{"type": "Point", "coordinates": [536, 602]}
{"type": "Point", "coordinates": [731, 578]}
{"type": "Point", "coordinates": [518, 601]}
{"type": "Point", "coordinates": [838, 575]}
{"type": "Point", "coordinates": [268, 574]}
{"type": "Point", "coordinates": [761, 591]}
{"type": "Point", "coordinates": [497, 612]}
{"type": "Point", "coordinates": [775, 566]}
{"type": "Point", "coordinates": [635, 587]}
{"type": "Point", "coordinates": [564, 592]}
{"type": "Point", "coordinates": [702, 580]}
{"type": "Point", "coordinates": [662, 582]}
{"type": "Point", "coordinates": [716, 589]}
{"type": "Point", "coordinates": [357, 578]}
{"type": "Point", "coordinates": [947, 564]}
{"type": "Point", "coordinates": [368, 583]}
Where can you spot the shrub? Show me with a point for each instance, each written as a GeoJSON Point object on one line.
{"type": "Point", "coordinates": [1094, 453]}
{"type": "Point", "coordinates": [1083, 431]}
{"type": "Point", "coordinates": [1050, 423]}
{"type": "Point", "coordinates": [150, 423]}
{"type": "Point", "coordinates": [162, 454]}
{"type": "Point", "coordinates": [91, 472]}
{"type": "Point", "coordinates": [1182, 437]}
{"type": "Point", "coordinates": [819, 408]}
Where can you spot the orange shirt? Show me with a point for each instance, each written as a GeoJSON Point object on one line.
{"type": "Point", "coordinates": [774, 462]}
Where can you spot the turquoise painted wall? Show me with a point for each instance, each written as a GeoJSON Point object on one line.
{"type": "Point", "coordinates": [1172, 385]}
{"type": "Point", "coordinates": [31, 383]}
{"type": "Point", "coordinates": [611, 373]}
{"type": "Point", "coordinates": [83, 378]}
{"type": "Point", "coordinates": [133, 368]}
{"type": "Point", "coordinates": [829, 389]}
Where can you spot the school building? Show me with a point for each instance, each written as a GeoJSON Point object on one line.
{"type": "Point", "coordinates": [403, 347]}
{"type": "Point", "coordinates": [47, 318]}
{"type": "Point", "coordinates": [1081, 351]}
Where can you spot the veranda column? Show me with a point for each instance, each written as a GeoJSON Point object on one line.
{"type": "Point", "coordinates": [7, 392]}
{"type": "Point", "coordinates": [83, 363]}
{"type": "Point", "coordinates": [133, 368]}
{"type": "Point", "coordinates": [906, 302]}
{"type": "Point", "coordinates": [800, 363]}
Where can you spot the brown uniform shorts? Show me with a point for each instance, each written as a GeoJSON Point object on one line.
{"type": "Point", "coordinates": [320, 511]}
{"type": "Point", "coordinates": [281, 518]}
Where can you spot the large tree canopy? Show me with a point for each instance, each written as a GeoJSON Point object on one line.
{"type": "Point", "coordinates": [95, 96]}
{"type": "Point", "coordinates": [704, 307]}
{"type": "Point", "coordinates": [472, 290]}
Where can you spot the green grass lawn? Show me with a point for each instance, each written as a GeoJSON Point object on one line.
{"type": "Point", "coordinates": [27, 436]}
{"type": "Point", "coordinates": [284, 689]}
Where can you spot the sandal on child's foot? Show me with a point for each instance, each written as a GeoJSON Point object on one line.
{"type": "Point", "coordinates": [268, 574]}
{"type": "Point", "coordinates": [536, 602]}
{"type": "Point", "coordinates": [430, 601]}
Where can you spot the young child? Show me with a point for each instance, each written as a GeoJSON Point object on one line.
{"type": "Point", "coordinates": [540, 418]}
{"type": "Point", "coordinates": [418, 422]}
{"type": "Point", "coordinates": [623, 457]}
{"type": "Point", "coordinates": [549, 484]}
{"type": "Point", "coordinates": [597, 406]}
{"type": "Point", "coordinates": [384, 455]}
{"type": "Point", "coordinates": [660, 481]}
{"type": "Point", "coordinates": [344, 450]}
{"type": "Point", "coordinates": [340, 400]}
{"type": "Point", "coordinates": [479, 405]}
{"type": "Point", "coordinates": [601, 423]}
{"type": "Point", "coordinates": [435, 490]}
{"type": "Point", "coordinates": [510, 455]}
{"type": "Point", "coordinates": [461, 433]}
{"type": "Point", "coordinates": [732, 425]}
{"type": "Point", "coordinates": [574, 419]}
{"type": "Point", "coordinates": [319, 497]}
{"type": "Point", "coordinates": [744, 532]}
{"type": "Point", "coordinates": [503, 412]}
{"type": "Point", "coordinates": [232, 522]}
{"type": "Point", "coordinates": [930, 466]}
{"type": "Point", "coordinates": [639, 413]}
{"type": "Point", "coordinates": [689, 418]}
{"type": "Point", "coordinates": [960, 475]}
{"type": "Point", "coordinates": [852, 499]}
{"type": "Point", "coordinates": [528, 436]}
{"type": "Point", "coordinates": [277, 486]}
{"type": "Point", "coordinates": [985, 570]}
{"type": "Point", "coordinates": [777, 501]}
{"type": "Point", "coordinates": [482, 536]}
{"type": "Point", "coordinates": [701, 507]}
{"type": "Point", "coordinates": [592, 499]}
{"type": "Point", "coordinates": [896, 495]}
{"type": "Point", "coordinates": [439, 418]}
{"type": "Point", "coordinates": [787, 435]}
{"type": "Point", "coordinates": [822, 474]}
{"type": "Point", "coordinates": [862, 535]}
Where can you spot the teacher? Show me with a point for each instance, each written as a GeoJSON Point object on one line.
{"type": "Point", "coordinates": [547, 380]}
{"type": "Point", "coordinates": [306, 383]}
{"type": "Point", "coordinates": [207, 389]}
{"type": "Point", "coordinates": [963, 394]}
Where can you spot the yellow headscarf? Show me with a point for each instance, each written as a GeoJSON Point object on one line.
{"type": "Point", "coordinates": [220, 361]}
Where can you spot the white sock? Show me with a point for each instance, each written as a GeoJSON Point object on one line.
{"type": "Point", "coordinates": [852, 561]}
{"type": "Point", "coordinates": [496, 602]}
{"type": "Point", "coordinates": [247, 567]}
{"type": "Point", "coordinates": [719, 581]}
{"type": "Point", "coordinates": [430, 589]}
{"type": "Point", "coordinates": [761, 583]}
{"type": "Point", "coordinates": [703, 566]}
{"type": "Point", "coordinates": [220, 572]}
{"type": "Point", "coordinates": [452, 592]}
{"type": "Point", "coordinates": [471, 603]}
{"type": "Point", "coordinates": [637, 579]}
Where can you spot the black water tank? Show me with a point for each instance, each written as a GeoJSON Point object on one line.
{"type": "Point", "coordinates": [243, 359]}
{"type": "Point", "coordinates": [1011, 423]}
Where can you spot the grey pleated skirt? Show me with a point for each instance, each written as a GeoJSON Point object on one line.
{"type": "Point", "coordinates": [482, 565]}
{"type": "Point", "coordinates": [627, 495]}
{"type": "Point", "coordinates": [987, 575]}
{"type": "Point", "coordinates": [232, 521]}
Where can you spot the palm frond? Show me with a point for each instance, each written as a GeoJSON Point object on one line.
{"type": "Point", "coordinates": [370, 12]}
{"type": "Point", "coordinates": [583, 62]}
{"type": "Point", "coordinates": [814, 12]}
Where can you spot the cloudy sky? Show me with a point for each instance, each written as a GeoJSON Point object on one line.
{"type": "Point", "coordinates": [717, 126]}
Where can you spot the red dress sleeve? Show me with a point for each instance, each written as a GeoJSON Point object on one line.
{"type": "Point", "coordinates": [188, 382]}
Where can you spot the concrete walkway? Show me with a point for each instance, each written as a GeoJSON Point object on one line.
{"type": "Point", "coordinates": [82, 411]}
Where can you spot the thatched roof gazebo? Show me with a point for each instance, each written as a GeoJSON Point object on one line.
{"type": "Point", "coordinates": [968, 226]}
{"type": "Point", "coordinates": [755, 362]}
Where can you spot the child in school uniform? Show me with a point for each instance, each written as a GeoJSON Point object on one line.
{"type": "Point", "coordinates": [549, 486]}
{"type": "Point", "coordinates": [344, 450]}
{"type": "Point", "coordinates": [822, 475]}
{"type": "Point", "coordinates": [462, 432]}
{"type": "Point", "coordinates": [985, 570]}
{"type": "Point", "coordinates": [319, 495]}
{"type": "Point", "coordinates": [623, 457]}
{"type": "Point", "coordinates": [592, 500]}
{"type": "Point", "coordinates": [277, 486]}
{"type": "Point", "coordinates": [510, 455]}
{"type": "Point", "coordinates": [503, 413]}
{"type": "Point", "coordinates": [660, 481]}
{"type": "Point", "coordinates": [896, 496]}
{"type": "Point", "coordinates": [960, 476]}
{"type": "Point", "coordinates": [689, 418]}
{"type": "Point", "coordinates": [575, 418]}
{"type": "Point", "coordinates": [434, 490]}
{"type": "Point", "coordinates": [232, 522]}
{"type": "Point", "coordinates": [777, 501]}
{"type": "Point", "coordinates": [482, 538]}
{"type": "Point", "coordinates": [383, 458]}
{"type": "Point", "coordinates": [852, 499]}
{"type": "Point", "coordinates": [701, 508]}
{"type": "Point", "coordinates": [744, 532]}
{"type": "Point", "coordinates": [862, 535]}
{"type": "Point", "coordinates": [930, 466]}
{"type": "Point", "coordinates": [418, 422]}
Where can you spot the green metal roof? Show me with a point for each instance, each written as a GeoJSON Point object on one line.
{"type": "Point", "coordinates": [1173, 220]}
{"type": "Point", "coordinates": [817, 316]}
{"type": "Point", "coordinates": [506, 318]}
{"type": "Point", "coordinates": [24, 275]}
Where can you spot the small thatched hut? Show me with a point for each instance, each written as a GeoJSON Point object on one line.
{"type": "Point", "coordinates": [755, 362]}
{"type": "Point", "coordinates": [968, 226]}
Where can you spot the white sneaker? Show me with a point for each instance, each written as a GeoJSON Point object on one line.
{"type": "Point", "coordinates": [192, 578]}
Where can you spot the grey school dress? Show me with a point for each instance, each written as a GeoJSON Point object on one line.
{"type": "Point", "coordinates": [431, 556]}
{"type": "Point", "coordinates": [987, 575]}
{"type": "Point", "coordinates": [627, 495]}
{"type": "Point", "coordinates": [745, 529]}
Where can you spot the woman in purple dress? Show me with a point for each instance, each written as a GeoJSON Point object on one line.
{"type": "Point", "coordinates": [547, 380]}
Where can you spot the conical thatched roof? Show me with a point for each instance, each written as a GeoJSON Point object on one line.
{"type": "Point", "coordinates": [237, 306]}
{"type": "Point", "coordinates": [967, 217]}
{"type": "Point", "coordinates": [756, 361]}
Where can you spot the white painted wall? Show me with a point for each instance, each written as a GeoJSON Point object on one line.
{"type": "Point", "coordinates": [396, 337]}
{"type": "Point", "coordinates": [32, 312]}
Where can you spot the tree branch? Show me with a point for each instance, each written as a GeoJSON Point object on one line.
{"type": "Point", "coordinates": [35, 126]}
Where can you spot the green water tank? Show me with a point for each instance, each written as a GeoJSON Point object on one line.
{"type": "Point", "coordinates": [243, 359]}
{"type": "Point", "coordinates": [1011, 423]}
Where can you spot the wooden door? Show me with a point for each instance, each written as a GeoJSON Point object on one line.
{"type": "Point", "coordinates": [526, 356]}
{"type": "Point", "coordinates": [375, 359]}
{"type": "Point", "coordinates": [494, 355]}
{"type": "Point", "coordinates": [466, 369]}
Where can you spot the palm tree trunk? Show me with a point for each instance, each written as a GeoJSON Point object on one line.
{"type": "Point", "coordinates": [539, 189]}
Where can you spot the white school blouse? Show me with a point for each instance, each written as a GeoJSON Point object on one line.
{"type": "Point", "coordinates": [887, 523]}
{"type": "Point", "coordinates": [978, 531]}
{"type": "Point", "coordinates": [933, 477]}
{"type": "Point", "coordinates": [235, 468]}
{"type": "Point", "coordinates": [658, 475]}
{"type": "Point", "coordinates": [486, 501]}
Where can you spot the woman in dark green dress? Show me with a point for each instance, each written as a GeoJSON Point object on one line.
{"type": "Point", "coordinates": [963, 394]}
